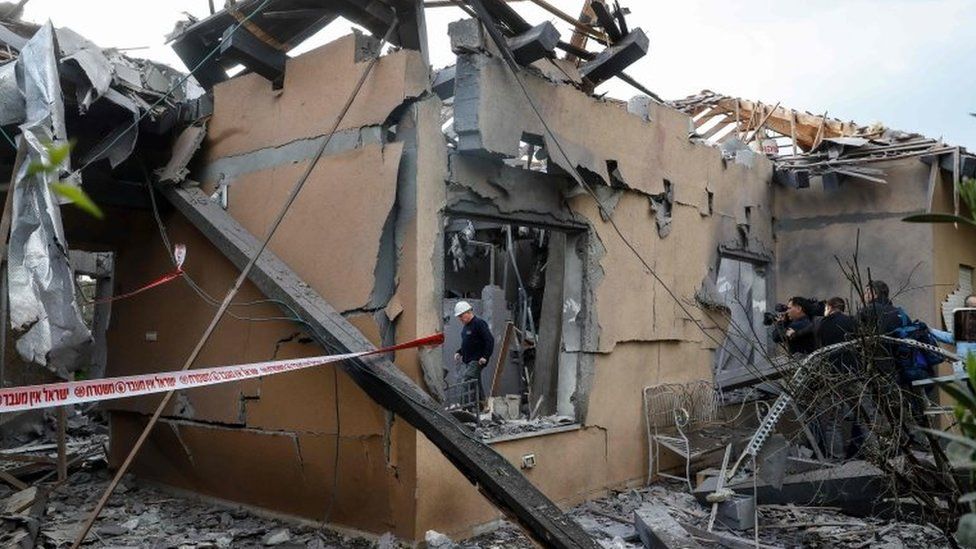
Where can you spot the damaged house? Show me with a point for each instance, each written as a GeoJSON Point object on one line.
{"type": "Point", "coordinates": [612, 251]}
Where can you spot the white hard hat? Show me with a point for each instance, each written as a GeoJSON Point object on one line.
{"type": "Point", "coordinates": [461, 307]}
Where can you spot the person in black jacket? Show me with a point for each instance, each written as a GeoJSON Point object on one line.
{"type": "Point", "coordinates": [477, 344]}
{"type": "Point", "coordinates": [795, 332]}
{"type": "Point", "coordinates": [834, 327]}
{"type": "Point", "coordinates": [879, 315]}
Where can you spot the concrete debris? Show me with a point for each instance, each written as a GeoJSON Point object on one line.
{"type": "Point", "coordinates": [276, 537]}
{"type": "Point", "coordinates": [738, 512]}
{"type": "Point", "coordinates": [145, 516]}
{"type": "Point", "coordinates": [437, 540]}
{"type": "Point", "coordinates": [503, 180]}
{"type": "Point", "coordinates": [498, 427]}
{"type": "Point", "coordinates": [658, 530]}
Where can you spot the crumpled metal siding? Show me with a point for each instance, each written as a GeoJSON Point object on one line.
{"type": "Point", "coordinates": [41, 281]}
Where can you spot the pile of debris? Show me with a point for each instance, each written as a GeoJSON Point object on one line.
{"type": "Point", "coordinates": [140, 515]}
{"type": "Point", "coordinates": [497, 428]}
{"type": "Point", "coordinates": [143, 515]}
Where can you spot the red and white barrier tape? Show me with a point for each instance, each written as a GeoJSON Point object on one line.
{"type": "Point", "coordinates": [33, 397]}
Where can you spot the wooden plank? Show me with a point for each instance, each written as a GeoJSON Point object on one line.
{"type": "Point", "coordinates": [719, 486]}
{"type": "Point", "coordinates": [606, 20]}
{"type": "Point", "coordinates": [19, 501]}
{"type": "Point", "coordinates": [578, 40]}
{"type": "Point", "coordinates": [820, 130]}
{"type": "Point", "coordinates": [496, 376]}
{"type": "Point", "coordinates": [62, 446]}
{"type": "Point", "coordinates": [793, 130]}
{"type": "Point", "coordinates": [577, 25]}
{"type": "Point", "coordinates": [762, 123]}
{"type": "Point", "coordinates": [721, 125]}
{"type": "Point", "coordinates": [379, 378]}
{"type": "Point", "coordinates": [12, 480]}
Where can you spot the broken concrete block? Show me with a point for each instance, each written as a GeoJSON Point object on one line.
{"type": "Point", "coordinates": [538, 42]}
{"type": "Point", "coordinates": [437, 540]}
{"type": "Point", "coordinates": [641, 106]}
{"type": "Point", "coordinates": [658, 529]}
{"type": "Point", "coordinates": [19, 501]}
{"type": "Point", "coordinates": [238, 44]}
{"type": "Point", "coordinates": [738, 512]}
{"type": "Point", "coordinates": [772, 460]}
{"type": "Point", "coordinates": [443, 84]}
{"type": "Point", "coordinates": [506, 407]}
{"type": "Point", "coordinates": [277, 537]}
{"type": "Point", "coordinates": [467, 36]}
{"type": "Point", "coordinates": [386, 541]}
{"type": "Point", "coordinates": [613, 60]}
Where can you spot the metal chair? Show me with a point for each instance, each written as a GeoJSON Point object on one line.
{"type": "Point", "coordinates": [671, 412]}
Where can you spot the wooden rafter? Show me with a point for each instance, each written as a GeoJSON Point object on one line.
{"type": "Point", "coordinates": [804, 129]}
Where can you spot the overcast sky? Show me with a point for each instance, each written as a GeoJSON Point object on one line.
{"type": "Point", "coordinates": [910, 64]}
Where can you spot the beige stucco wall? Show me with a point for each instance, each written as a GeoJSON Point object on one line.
{"type": "Point", "coordinates": [814, 226]}
{"type": "Point", "coordinates": [644, 337]}
{"type": "Point", "coordinates": [952, 246]}
{"type": "Point", "coordinates": [272, 442]}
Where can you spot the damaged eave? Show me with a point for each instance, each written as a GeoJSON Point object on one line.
{"type": "Point", "coordinates": [266, 30]}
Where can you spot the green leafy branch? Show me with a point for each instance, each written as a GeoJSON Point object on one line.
{"type": "Point", "coordinates": [961, 448]}
{"type": "Point", "coordinates": [967, 192]}
{"type": "Point", "coordinates": [56, 155]}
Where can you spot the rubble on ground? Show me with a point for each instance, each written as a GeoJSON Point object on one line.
{"type": "Point", "coordinates": [496, 428]}
{"type": "Point", "coordinates": [143, 515]}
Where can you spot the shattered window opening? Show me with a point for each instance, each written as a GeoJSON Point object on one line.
{"type": "Point", "coordinates": [743, 286]}
{"type": "Point", "coordinates": [517, 278]}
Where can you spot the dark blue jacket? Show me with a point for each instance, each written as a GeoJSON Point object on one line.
{"type": "Point", "coordinates": [476, 341]}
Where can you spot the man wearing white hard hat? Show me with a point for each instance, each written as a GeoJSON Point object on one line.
{"type": "Point", "coordinates": [477, 344]}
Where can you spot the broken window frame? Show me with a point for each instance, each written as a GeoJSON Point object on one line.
{"type": "Point", "coordinates": [569, 399]}
{"type": "Point", "coordinates": [736, 334]}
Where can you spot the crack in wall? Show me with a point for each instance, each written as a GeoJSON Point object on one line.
{"type": "Point", "coordinates": [301, 459]}
{"type": "Point", "coordinates": [227, 168]}
{"type": "Point", "coordinates": [179, 438]}
{"type": "Point", "coordinates": [261, 431]}
{"type": "Point", "coordinates": [293, 337]}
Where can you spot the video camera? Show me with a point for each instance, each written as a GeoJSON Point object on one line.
{"type": "Point", "coordinates": [775, 317]}
{"type": "Point", "coordinates": [964, 324]}
{"type": "Point", "coordinates": [811, 306]}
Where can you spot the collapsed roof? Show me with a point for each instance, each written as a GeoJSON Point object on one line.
{"type": "Point", "coordinates": [804, 145]}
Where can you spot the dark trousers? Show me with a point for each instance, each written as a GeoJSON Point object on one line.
{"type": "Point", "coordinates": [472, 372]}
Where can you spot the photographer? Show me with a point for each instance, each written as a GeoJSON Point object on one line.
{"type": "Point", "coordinates": [964, 348]}
{"type": "Point", "coordinates": [794, 327]}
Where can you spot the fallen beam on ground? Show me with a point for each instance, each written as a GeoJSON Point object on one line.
{"type": "Point", "coordinates": [379, 378]}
